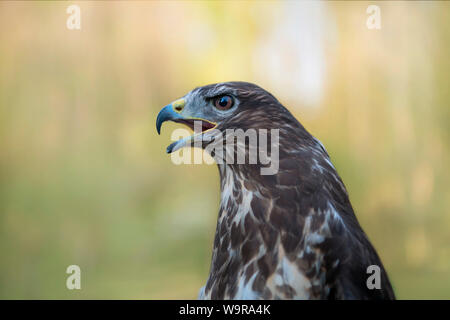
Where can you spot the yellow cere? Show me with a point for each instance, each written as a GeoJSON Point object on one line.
{"type": "Point", "coordinates": [178, 105]}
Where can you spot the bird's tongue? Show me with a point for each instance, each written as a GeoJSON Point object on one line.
{"type": "Point", "coordinates": [206, 126]}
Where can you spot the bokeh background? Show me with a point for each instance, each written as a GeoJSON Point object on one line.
{"type": "Point", "coordinates": [85, 180]}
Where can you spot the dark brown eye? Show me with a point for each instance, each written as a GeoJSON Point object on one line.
{"type": "Point", "coordinates": [223, 102]}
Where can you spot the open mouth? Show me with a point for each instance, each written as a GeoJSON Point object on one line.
{"type": "Point", "coordinates": [200, 126]}
{"type": "Point", "coordinates": [197, 125]}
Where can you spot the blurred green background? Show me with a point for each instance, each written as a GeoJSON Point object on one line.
{"type": "Point", "coordinates": [85, 180]}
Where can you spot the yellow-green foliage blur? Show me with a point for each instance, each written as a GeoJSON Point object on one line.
{"type": "Point", "coordinates": [85, 180]}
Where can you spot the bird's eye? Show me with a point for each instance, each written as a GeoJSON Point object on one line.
{"type": "Point", "coordinates": [223, 102]}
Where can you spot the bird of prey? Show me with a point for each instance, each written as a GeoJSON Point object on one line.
{"type": "Point", "coordinates": [288, 235]}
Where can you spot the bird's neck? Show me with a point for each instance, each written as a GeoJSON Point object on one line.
{"type": "Point", "coordinates": [235, 198]}
{"type": "Point", "coordinates": [237, 242]}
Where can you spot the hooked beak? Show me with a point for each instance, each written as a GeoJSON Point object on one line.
{"type": "Point", "coordinates": [173, 112]}
{"type": "Point", "coordinates": [167, 113]}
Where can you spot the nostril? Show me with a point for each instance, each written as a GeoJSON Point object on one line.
{"type": "Point", "coordinates": [178, 105]}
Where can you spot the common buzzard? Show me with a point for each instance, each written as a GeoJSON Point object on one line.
{"type": "Point", "coordinates": [291, 234]}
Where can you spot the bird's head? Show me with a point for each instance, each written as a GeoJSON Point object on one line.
{"type": "Point", "coordinates": [222, 106]}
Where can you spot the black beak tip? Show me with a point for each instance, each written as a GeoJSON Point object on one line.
{"type": "Point", "coordinates": [164, 115]}
{"type": "Point", "coordinates": [159, 122]}
{"type": "Point", "coordinates": [170, 148]}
